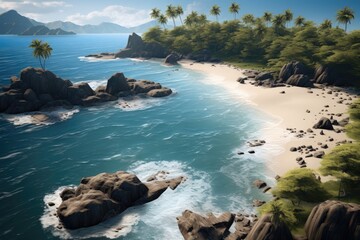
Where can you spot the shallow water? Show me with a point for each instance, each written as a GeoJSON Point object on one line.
{"type": "Point", "coordinates": [196, 132]}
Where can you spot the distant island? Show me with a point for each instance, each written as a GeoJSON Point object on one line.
{"type": "Point", "coordinates": [11, 22]}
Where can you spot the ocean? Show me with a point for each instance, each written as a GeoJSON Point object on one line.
{"type": "Point", "coordinates": [196, 132]}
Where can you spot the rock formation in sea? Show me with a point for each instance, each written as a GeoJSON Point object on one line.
{"type": "Point", "coordinates": [332, 220]}
{"type": "Point", "coordinates": [105, 195]}
{"type": "Point", "coordinates": [37, 89]}
{"type": "Point", "coordinates": [137, 48]}
{"type": "Point", "coordinates": [172, 59]}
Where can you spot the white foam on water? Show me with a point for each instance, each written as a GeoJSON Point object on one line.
{"type": "Point", "coordinates": [58, 115]}
{"type": "Point", "coordinates": [113, 228]}
{"type": "Point", "coordinates": [137, 103]}
{"type": "Point", "coordinates": [11, 155]}
{"type": "Point", "coordinates": [137, 60]}
{"type": "Point", "coordinates": [193, 194]}
{"type": "Point", "coordinates": [94, 59]}
{"type": "Point", "coordinates": [96, 83]}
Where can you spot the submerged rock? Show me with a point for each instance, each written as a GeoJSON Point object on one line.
{"type": "Point", "coordinates": [332, 220]}
{"type": "Point", "coordinates": [172, 59]}
{"type": "Point", "coordinates": [105, 195]}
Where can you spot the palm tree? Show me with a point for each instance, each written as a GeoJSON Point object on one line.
{"type": "Point", "coordinates": [171, 13]}
{"type": "Point", "coordinates": [41, 51]}
{"type": "Point", "coordinates": [278, 21]}
{"type": "Point", "coordinates": [267, 17]}
{"type": "Point", "coordinates": [234, 8]}
{"type": "Point", "coordinates": [326, 24]}
{"type": "Point", "coordinates": [299, 21]}
{"type": "Point", "coordinates": [345, 16]}
{"type": "Point", "coordinates": [155, 13]}
{"type": "Point", "coordinates": [215, 10]}
{"type": "Point", "coordinates": [260, 29]}
{"type": "Point", "coordinates": [202, 19]}
{"type": "Point", "coordinates": [163, 20]}
{"type": "Point", "coordinates": [192, 18]}
{"type": "Point", "coordinates": [248, 19]}
{"type": "Point", "coordinates": [288, 16]}
{"type": "Point", "coordinates": [179, 12]}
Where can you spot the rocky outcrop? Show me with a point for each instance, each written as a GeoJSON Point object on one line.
{"type": "Point", "coordinates": [137, 48]}
{"type": "Point", "coordinates": [333, 220]}
{"type": "Point", "coordinates": [39, 90]}
{"type": "Point", "coordinates": [293, 68]}
{"type": "Point", "coordinates": [264, 229]}
{"type": "Point", "coordinates": [105, 195]}
{"type": "Point", "coordinates": [324, 123]}
{"type": "Point", "coordinates": [328, 75]}
{"type": "Point", "coordinates": [194, 226]}
{"type": "Point", "coordinates": [264, 76]}
{"type": "Point", "coordinates": [172, 59]}
{"type": "Point", "coordinates": [299, 80]}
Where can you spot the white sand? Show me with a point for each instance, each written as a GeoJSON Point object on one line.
{"type": "Point", "coordinates": [289, 108]}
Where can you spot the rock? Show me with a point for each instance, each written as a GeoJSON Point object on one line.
{"type": "Point", "coordinates": [45, 98]}
{"type": "Point", "coordinates": [7, 98]}
{"type": "Point", "coordinates": [299, 80]}
{"type": "Point", "coordinates": [299, 159]}
{"type": "Point", "coordinates": [56, 104]}
{"type": "Point", "coordinates": [282, 92]}
{"type": "Point", "coordinates": [322, 132]}
{"type": "Point", "coordinates": [21, 106]}
{"type": "Point", "coordinates": [44, 82]}
{"type": "Point", "coordinates": [259, 184]}
{"type": "Point", "coordinates": [264, 229]}
{"type": "Point", "coordinates": [30, 95]}
{"type": "Point", "coordinates": [194, 226]}
{"type": "Point", "coordinates": [137, 48]}
{"type": "Point", "coordinates": [241, 80]}
{"type": "Point", "coordinates": [324, 146]}
{"type": "Point", "coordinates": [309, 130]}
{"type": "Point", "coordinates": [256, 143]}
{"type": "Point", "coordinates": [78, 92]}
{"type": "Point", "coordinates": [293, 68]}
{"type": "Point", "coordinates": [258, 203]}
{"type": "Point", "coordinates": [324, 123]}
{"type": "Point", "coordinates": [144, 86]}
{"type": "Point", "coordinates": [329, 75]}
{"type": "Point", "coordinates": [293, 149]}
{"type": "Point", "coordinates": [51, 204]}
{"type": "Point", "coordinates": [116, 84]}
{"type": "Point", "coordinates": [162, 92]}
{"type": "Point", "coordinates": [333, 220]}
{"type": "Point", "coordinates": [277, 177]}
{"type": "Point", "coordinates": [105, 195]}
{"type": "Point", "coordinates": [251, 151]}
{"type": "Point", "coordinates": [344, 122]}
{"type": "Point", "coordinates": [172, 59]}
{"type": "Point", "coordinates": [319, 154]}
{"type": "Point", "coordinates": [240, 153]}
{"type": "Point", "coordinates": [266, 189]}
{"type": "Point", "coordinates": [264, 76]}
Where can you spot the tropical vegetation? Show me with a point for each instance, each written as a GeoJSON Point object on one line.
{"type": "Point", "coordinates": [269, 41]}
{"type": "Point", "coordinates": [41, 50]}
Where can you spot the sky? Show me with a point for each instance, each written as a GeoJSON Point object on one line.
{"type": "Point", "coordinates": [130, 13]}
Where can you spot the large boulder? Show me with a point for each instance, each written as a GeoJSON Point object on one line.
{"type": "Point", "coordinates": [162, 92]}
{"type": "Point", "coordinates": [172, 59]}
{"type": "Point", "coordinates": [78, 92]}
{"type": "Point", "coordinates": [105, 195]}
{"type": "Point", "coordinates": [117, 83]}
{"type": "Point", "coordinates": [44, 82]}
{"type": "Point", "coordinates": [299, 80]}
{"type": "Point", "coordinates": [7, 98]}
{"type": "Point", "coordinates": [144, 86]}
{"type": "Point", "coordinates": [194, 226]}
{"type": "Point", "coordinates": [293, 68]}
{"type": "Point", "coordinates": [30, 95]}
{"type": "Point", "coordinates": [265, 229]}
{"type": "Point", "coordinates": [264, 76]}
{"type": "Point", "coordinates": [324, 123]}
{"type": "Point", "coordinates": [21, 106]}
{"type": "Point", "coordinates": [334, 220]}
{"type": "Point", "coordinates": [136, 48]}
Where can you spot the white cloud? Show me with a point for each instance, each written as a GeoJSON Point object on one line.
{"type": "Point", "coordinates": [124, 16]}
{"type": "Point", "coordinates": [33, 6]}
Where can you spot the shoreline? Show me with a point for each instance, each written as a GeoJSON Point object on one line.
{"type": "Point", "coordinates": [296, 109]}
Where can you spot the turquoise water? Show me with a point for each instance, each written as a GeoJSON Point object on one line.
{"type": "Point", "coordinates": [196, 132]}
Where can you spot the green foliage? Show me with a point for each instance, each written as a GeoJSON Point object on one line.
{"type": "Point", "coordinates": [345, 16]}
{"type": "Point", "coordinates": [300, 185]}
{"type": "Point", "coordinates": [354, 111]}
{"type": "Point", "coordinates": [266, 40]}
{"type": "Point", "coordinates": [281, 211]}
{"type": "Point", "coordinates": [41, 50]}
{"type": "Point", "coordinates": [343, 163]}
{"type": "Point", "coordinates": [234, 8]}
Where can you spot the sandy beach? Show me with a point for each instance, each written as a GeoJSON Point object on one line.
{"type": "Point", "coordinates": [297, 109]}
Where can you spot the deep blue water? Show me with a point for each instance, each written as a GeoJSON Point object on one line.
{"type": "Point", "coordinates": [195, 132]}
